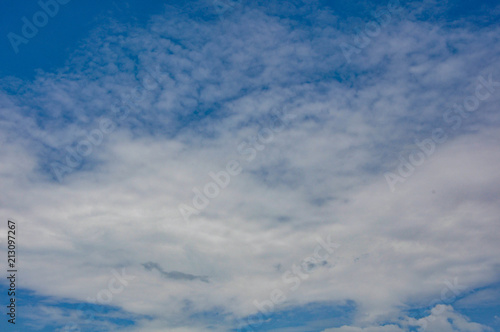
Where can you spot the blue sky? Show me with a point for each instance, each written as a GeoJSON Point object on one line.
{"type": "Point", "coordinates": [252, 166]}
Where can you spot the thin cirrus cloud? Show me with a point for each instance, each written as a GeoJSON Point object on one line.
{"type": "Point", "coordinates": [218, 80]}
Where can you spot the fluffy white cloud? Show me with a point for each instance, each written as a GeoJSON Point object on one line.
{"type": "Point", "coordinates": [442, 318]}
{"type": "Point", "coordinates": [385, 328]}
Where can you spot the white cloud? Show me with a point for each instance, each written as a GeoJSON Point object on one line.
{"type": "Point", "coordinates": [385, 328]}
{"type": "Point", "coordinates": [444, 319]}
{"type": "Point", "coordinates": [322, 175]}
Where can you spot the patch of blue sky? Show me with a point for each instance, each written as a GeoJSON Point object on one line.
{"type": "Point", "coordinates": [48, 313]}
{"type": "Point", "coordinates": [310, 317]}
{"type": "Point", "coordinates": [50, 48]}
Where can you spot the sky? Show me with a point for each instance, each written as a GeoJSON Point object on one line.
{"type": "Point", "coordinates": [237, 165]}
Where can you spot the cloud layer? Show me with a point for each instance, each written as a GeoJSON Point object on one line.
{"type": "Point", "coordinates": [98, 157]}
